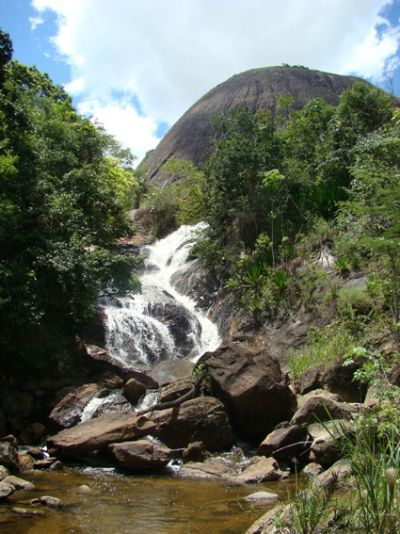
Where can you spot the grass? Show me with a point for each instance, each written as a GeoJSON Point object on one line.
{"type": "Point", "coordinates": [323, 348]}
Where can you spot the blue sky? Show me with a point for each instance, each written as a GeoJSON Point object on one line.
{"type": "Point", "coordinates": [137, 65]}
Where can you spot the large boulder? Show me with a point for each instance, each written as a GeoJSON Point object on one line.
{"type": "Point", "coordinates": [261, 469]}
{"type": "Point", "coordinates": [200, 419]}
{"type": "Point", "coordinates": [252, 386]}
{"type": "Point", "coordinates": [141, 455]}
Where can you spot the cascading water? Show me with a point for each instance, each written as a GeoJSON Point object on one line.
{"type": "Point", "coordinates": [160, 323]}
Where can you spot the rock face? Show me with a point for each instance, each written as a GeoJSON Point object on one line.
{"type": "Point", "coordinates": [141, 455]}
{"type": "Point", "coordinates": [251, 385]}
{"type": "Point", "coordinates": [189, 138]}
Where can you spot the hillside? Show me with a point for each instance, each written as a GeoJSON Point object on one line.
{"type": "Point", "coordinates": [256, 89]}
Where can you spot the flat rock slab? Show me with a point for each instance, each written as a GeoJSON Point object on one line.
{"type": "Point", "coordinates": [211, 469]}
{"type": "Point", "coordinates": [99, 433]}
{"type": "Point", "coordinates": [6, 490]}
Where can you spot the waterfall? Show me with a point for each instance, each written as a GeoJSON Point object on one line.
{"type": "Point", "coordinates": [160, 323]}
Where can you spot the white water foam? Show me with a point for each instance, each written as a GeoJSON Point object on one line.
{"type": "Point", "coordinates": [138, 337]}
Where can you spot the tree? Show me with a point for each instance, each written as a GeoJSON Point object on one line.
{"type": "Point", "coordinates": [62, 207]}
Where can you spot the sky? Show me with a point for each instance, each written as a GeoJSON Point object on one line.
{"type": "Point", "coordinates": [137, 65]}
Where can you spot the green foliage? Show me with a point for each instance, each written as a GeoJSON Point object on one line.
{"type": "Point", "coordinates": [324, 346]}
{"type": "Point", "coordinates": [63, 195]}
{"type": "Point", "coordinates": [179, 202]}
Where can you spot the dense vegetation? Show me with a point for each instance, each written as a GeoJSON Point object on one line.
{"type": "Point", "coordinates": [65, 187]}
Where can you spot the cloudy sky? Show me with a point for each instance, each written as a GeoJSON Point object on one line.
{"type": "Point", "coordinates": [137, 65]}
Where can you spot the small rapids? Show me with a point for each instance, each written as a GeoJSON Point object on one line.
{"type": "Point", "coordinates": [159, 323]}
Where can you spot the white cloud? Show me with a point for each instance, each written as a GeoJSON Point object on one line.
{"type": "Point", "coordinates": [35, 22]}
{"type": "Point", "coordinates": [121, 120]}
{"type": "Point", "coordinates": [168, 54]}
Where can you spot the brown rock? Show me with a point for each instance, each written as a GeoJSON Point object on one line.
{"type": "Point", "coordinates": [338, 378]}
{"type": "Point", "coordinates": [261, 469]}
{"type": "Point", "coordinates": [211, 469]}
{"type": "Point", "coordinates": [309, 382]}
{"type": "Point", "coordinates": [115, 365]}
{"type": "Point", "coordinates": [25, 461]}
{"type": "Point", "coordinates": [251, 385]}
{"type": "Point", "coordinates": [312, 469]}
{"type": "Point", "coordinates": [19, 483]}
{"type": "Point", "coordinates": [336, 477]}
{"type": "Point", "coordinates": [323, 409]}
{"type": "Point", "coordinates": [326, 447]}
{"type": "Point", "coordinates": [133, 390]}
{"type": "Point", "coordinates": [170, 370]}
{"type": "Point", "coordinates": [52, 502]}
{"type": "Point", "coordinates": [176, 389]}
{"type": "Point", "coordinates": [195, 452]}
{"type": "Point", "coordinates": [68, 411]}
{"type": "Point", "coordinates": [99, 433]}
{"type": "Point", "coordinates": [6, 489]}
{"type": "Point", "coordinates": [262, 497]}
{"type": "Point", "coordinates": [141, 455]}
{"type": "Point", "coordinates": [4, 472]}
{"type": "Point", "coordinates": [8, 452]}
{"type": "Point", "coordinates": [285, 443]}
{"type": "Point", "coordinates": [27, 511]}
{"type": "Point", "coordinates": [200, 419]}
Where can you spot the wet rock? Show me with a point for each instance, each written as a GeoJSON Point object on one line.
{"type": "Point", "coordinates": [8, 452]}
{"type": "Point", "coordinates": [112, 364]}
{"type": "Point", "coordinates": [322, 409]}
{"type": "Point", "coordinates": [180, 324]}
{"type": "Point", "coordinates": [141, 455]}
{"type": "Point", "coordinates": [192, 280]}
{"type": "Point", "coordinates": [51, 502]}
{"type": "Point", "coordinates": [211, 469]}
{"type": "Point", "coordinates": [56, 466]}
{"type": "Point", "coordinates": [195, 452]}
{"type": "Point", "coordinates": [85, 490]}
{"type": "Point", "coordinates": [68, 411]}
{"type": "Point", "coordinates": [134, 390]}
{"type": "Point", "coordinates": [4, 472]}
{"type": "Point", "coordinates": [25, 461]}
{"type": "Point", "coordinates": [19, 483]}
{"type": "Point", "coordinates": [262, 497]}
{"type": "Point", "coordinates": [261, 469]}
{"type": "Point", "coordinates": [27, 511]}
{"type": "Point", "coordinates": [98, 433]}
{"type": "Point", "coordinates": [285, 443]}
{"type": "Point", "coordinates": [45, 464]}
{"type": "Point", "coordinates": [200, 419]}
{"type": "Point", "coordinates": [115, 403]}
{"type": "Point", "coordinates": [176, 389]}
{"type": "Point", "coordinates": [253, 388]}
{"type": "Point", "coordinates": [6, 489]}
{"type": "Point", "coordinates": [170, 370]}
{"type": "Point", "coordinates": [111, 381]}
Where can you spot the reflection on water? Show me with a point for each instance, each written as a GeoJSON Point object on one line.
{"type": "Point", "coordinates": [126, 504]}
